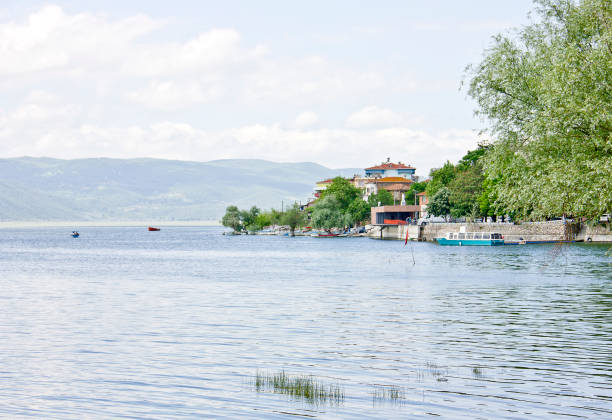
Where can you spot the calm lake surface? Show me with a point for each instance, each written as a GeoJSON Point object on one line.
{"type": "Point", "coordinates": [125, 323]}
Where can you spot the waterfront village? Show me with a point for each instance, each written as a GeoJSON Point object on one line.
{"type": "Point", "coordinates": [391, 202]}
{"type": "Point", "coordinates": [396, 178]}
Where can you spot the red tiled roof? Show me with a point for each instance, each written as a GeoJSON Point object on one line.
{"type": "Point", "coordinates": [390, 165]}
{"type": "Point", "coordinates": [422, 193]}
{"type": "Point", "coordinates": [397, 187]}
{"type": "Point", "coordinates": [395, 179]}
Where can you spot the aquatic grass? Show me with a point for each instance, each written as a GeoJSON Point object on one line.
{"type": "Point", "coordinates": [435, 370]}
{"type": "Point", "coordinates": [305, 387]}
{"type": "Point", "coordinates": [388, 393]}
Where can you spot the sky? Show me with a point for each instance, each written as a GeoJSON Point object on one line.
{"type": "Point", "coordinates": [340, 83]}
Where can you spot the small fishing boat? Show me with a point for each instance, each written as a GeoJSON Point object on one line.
{"type": "Point", "coordinates": [153, 229]}
{"type": "Point", "coordinates": [75, 234]}
{"type": "Point", "coordinates": [324, 235]}
{"type": "Point", "coordinates": [471, 239]}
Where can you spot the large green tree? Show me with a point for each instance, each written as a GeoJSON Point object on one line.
{"type": "Point", "coordinates": [439, 205]}
{"type": "Point", "coordinates": [546, 92]}
{"type": "Point", "coordinates": [465, 189]}
{"type": "Point", "coordinates": [440, 178]}
{"type": "Point", "coordinates": [327, 214]}
{"type": "Point", "coordinates": [232, 219]}
{"type": "Point", "coordinates": [343, 190]}
{"type": "Point", "coordinates": [359, 211]}
{"type": "Point", "coordinates": [293, 217]}
{"type": "Point", "coordinates": [382, 196]}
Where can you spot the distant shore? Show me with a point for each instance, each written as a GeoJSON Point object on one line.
{"type": "Point", "coordinates": [106, 223]}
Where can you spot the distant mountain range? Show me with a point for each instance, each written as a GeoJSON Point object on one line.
{"type": "Point", "coordinates": [44, 189]}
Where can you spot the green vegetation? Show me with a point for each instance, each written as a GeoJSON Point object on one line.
{"type": "Point", "coordinates": [340, 205]}
{"type": "Point", "coordinates": [384, 197]}
{"type": "Point", "coordinates": [305, 387]}
{"type": "Point", "coordinates": [415, 188]}
{"type": "Point", "coordinates": [293, 218]}
{"type": "Point", "coordinates": [439, 204]}
{"type": "Point", "coordinates": [255, 219]}
{"type": "Point", "coordinates": [344, 192]}
{"type": "Point", "coordinates": [546, 92]}
{"type": "Point", "coordinates": [329, 214]}
{"type": "Point", "coordinates": [456, 190]}
{"type": "Point", "coordinates": [232, 219]}
{"type": "Point", "coordinates": [391, 393]}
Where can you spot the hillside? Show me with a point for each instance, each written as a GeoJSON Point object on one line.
{"type": "Point", "coordinates": [149, 189]}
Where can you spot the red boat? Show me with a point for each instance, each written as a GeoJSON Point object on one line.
{"type": "Point", "coordinates": [152, 229]}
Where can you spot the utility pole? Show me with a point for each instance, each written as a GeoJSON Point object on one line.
{"type": "Point", "coordinates": [282, 206]}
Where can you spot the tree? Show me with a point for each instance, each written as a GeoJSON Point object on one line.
{"type": "Point", "coordinates": [343, 190]}
{"type": "Point", "coordinates": [262, 220]}
{"type": "Point", "coordinates": [546, 93]}
{"type": "Point", "coordinates": [327, 213]}
{"type": "Point", "coordinates": [358, 211]}
{"type": "Point", "coordinates": [440, 178]}
{"type": "Point", "coordinates": [384, 197]}
{"type": "Point", "coordinates": [415, 188]}
{"type": "Point", "coordinates": [232, 219]}
{"type": "Point", "coordinates": [248, 217]}
{"type": "Point", "coordinates": [472, 157]}
{"type": "Point", "coordinates": [465, 190]}
{"type": "Point", "coordinates": [439, 205]}
{"type": "Point", "coordinates": [293, 217]}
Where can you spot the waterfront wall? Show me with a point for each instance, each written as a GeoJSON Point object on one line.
{"type": "Point", "coordinates": [536, 231]}
{"type": "Point", "coordinates": [598, 233]}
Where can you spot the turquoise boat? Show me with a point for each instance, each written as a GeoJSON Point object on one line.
{"type": "Point", "coordinates": [471, 239]}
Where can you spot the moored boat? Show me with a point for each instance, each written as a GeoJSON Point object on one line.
{"type": "Point", "coordinates": [324, 235]}
{"type": "Point", "coordinates": [75, 234]}
{"type": "Point", "coordinates": [153, 229]}
{"type": "Point", "coordinates": [471, 239]}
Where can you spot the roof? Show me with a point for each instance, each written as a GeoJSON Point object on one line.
{"type": "Point", "coordinates": [422, 193]}
{"type": "Point", "coordinates": [395, 208]}
{"type": "Point", "coordinates": [396, 179]}
{"type": "Point", "coordinates": [390, 165]}
{"type": "Point", "coordinates": [327, 181]}
{"type": "Point", "coordinates": [397, 187]}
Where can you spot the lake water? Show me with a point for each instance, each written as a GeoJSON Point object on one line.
{"type": "Point", "coordinates": [125, 323]}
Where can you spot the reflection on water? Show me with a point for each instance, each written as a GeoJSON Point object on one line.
{"type": "Point", "coordinates": [121, 322]}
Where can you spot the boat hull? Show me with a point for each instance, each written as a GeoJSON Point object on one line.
{"type": "Point", "coordinates": [470, 242]}
{"type": "Point", "coordinates": [153, 229]}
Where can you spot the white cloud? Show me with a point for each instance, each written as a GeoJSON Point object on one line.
{"type": "Point", "coordinates": [306, 119]}
{"type": "Point", "coordinates": [173, 95]}
{"type": "Point", "coordinates": [373, 116]}
{"type": "Point", "coordinates": [48, 130]}
{"type": "Point", "coordinates": [50, 39]}
{"type": "Point", "coordinates": [98, 72]}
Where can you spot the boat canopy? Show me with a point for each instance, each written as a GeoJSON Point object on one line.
{"type": "Point", "coordinates": [473, 235]}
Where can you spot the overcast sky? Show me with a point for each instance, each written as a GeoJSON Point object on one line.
{"type": "Point", "coordinates": [341, 83]}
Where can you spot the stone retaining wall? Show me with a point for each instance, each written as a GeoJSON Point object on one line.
{"type": "Point", "coordinates": [536, 231]}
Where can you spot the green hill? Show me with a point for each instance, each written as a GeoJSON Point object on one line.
{"type": "Point", "coordinates": [40, 189]}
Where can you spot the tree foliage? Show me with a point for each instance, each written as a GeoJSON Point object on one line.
{"type": "Point", "coordinates": [547, 95]}
{"type": "Point", "coordinates": [382, 196]}
{"type": "Point", "coordinates": [232, 219]}
{"type": "Point", "coordinates": [293, 217]}
{"type": "Point", "coordinates": [440, 178]}
{"type": "Point", "coordinates": [343, 190]}
{"type": "Point", "coordinates": [415, 188]}
{"type": "Point", "coordinates": [327, 214]}
{"type": "Point", "coordinates": [358, 211]}
{"type": "Point", "coordinates": [439, 205]}
{"type": "Point", "coordinates": [465, 189]}
{"type": "Point", "coordinates": [248, 217]}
